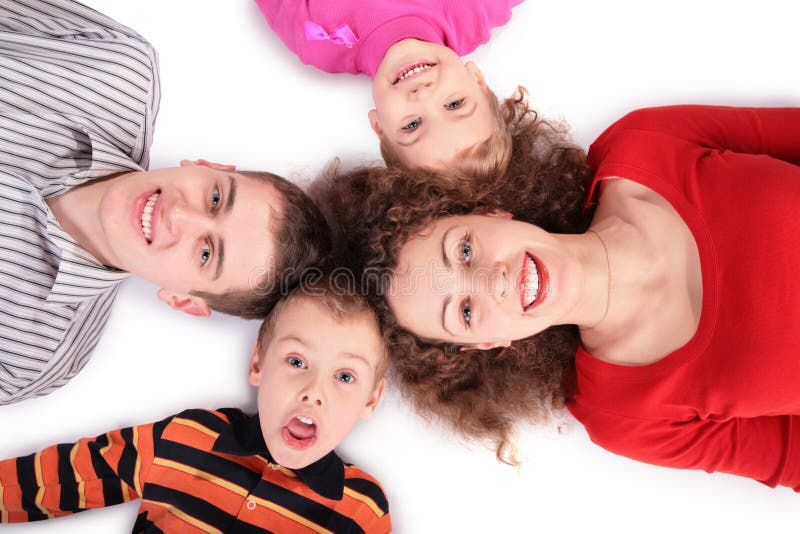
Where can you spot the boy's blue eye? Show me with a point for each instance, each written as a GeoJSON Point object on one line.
{"type": "Point", "coordinates": [455, 104]}
{"type": "Point", "coordinates": [344, 376]}
{"type": "Point", "coordinates": [205, 254]}
{"type": "Point", "coordinates": [413, 125]}
{"type": "Point", "coordinates": [215, 198]}
{"type": "Point", "coordinates": [296, 362]}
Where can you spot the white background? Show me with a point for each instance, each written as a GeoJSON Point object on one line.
{"type": "Point", "coordinates": [232, 93]}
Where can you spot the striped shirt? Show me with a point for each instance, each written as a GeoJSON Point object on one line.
{"type": "Point", "coordinates": [78, 99]}
{"type": "Point", "coordinates": [198, 471]}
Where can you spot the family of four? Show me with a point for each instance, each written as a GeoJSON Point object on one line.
{"type": "Point", "coordinates": [500, 272]}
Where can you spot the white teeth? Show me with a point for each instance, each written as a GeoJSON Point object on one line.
{"type": "Point", "coordinates": [147, 214]}
{"type": "Point", "coordinates": [413, 70]}
{"type": "Point", "coordinates": [305, 420]}
{"type": "Point", "coordinates": [531, 277]}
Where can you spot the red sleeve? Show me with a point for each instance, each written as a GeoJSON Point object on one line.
{"type": "Point", "coordinates": [771, 131]}
{"type": "Point", "coordinates": [72, 477]}
{"type": "Point", "coordinates": [762, 448]}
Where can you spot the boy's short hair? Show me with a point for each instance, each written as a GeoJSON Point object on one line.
{"type": "Point", "coordinates": [302, 239]}
{"type": "Point", "coordinates": [484, 160]}
{"type": "Point", "coordinates": [343, 301]}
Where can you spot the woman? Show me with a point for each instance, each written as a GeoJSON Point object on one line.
{"type": "Point", "coordinates": [682, 288]}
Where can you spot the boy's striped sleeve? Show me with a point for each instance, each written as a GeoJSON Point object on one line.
{"type": "Point", "coordinates": [68, 478]}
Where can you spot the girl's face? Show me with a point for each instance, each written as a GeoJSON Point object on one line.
{"type": "Point", "coordinates": [429, 105]}
{"type": "Point", "coordinates": [484, 281]}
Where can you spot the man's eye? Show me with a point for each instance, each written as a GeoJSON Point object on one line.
{"type": "Point", "coordinates": [344, 376]}
{"type": "Point", "coordinates": [465, 251]}
{"type": "Point", "coordinates": [215, 198]}
{"type": "Point", "coordinates": [296, 362]}
{"type": "Point", "coordinates": [455, 104]}
{"type": "Point", "coordinates": [413, 125]}
{"type": "Point", "coordinates": [466, 312]}
{"type": "Point", "coordinates": [205, 254]}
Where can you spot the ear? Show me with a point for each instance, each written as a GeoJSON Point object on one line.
{"type": "Point", "coordinates": [373, 121]}
{"type": "Point", "coordinates": [486, 346]}
{"type": "Point", "coordinates": [374, 398]}
{"type": "Point", "coordinates": [191, 304]}
{"type": "Point", "coordinates": [499, 213]}
{"type": "Point", "coordinates": [254, 377]}
{"type": "Point", "coordinates": [209, 164]}
{"type": "Point", "coordinates": [476, 73]}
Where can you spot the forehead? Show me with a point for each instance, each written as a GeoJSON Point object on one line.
{"type": "Point", "coordinates": [249, 233]}
{"type": "Point", "coordinates": [307, 319]}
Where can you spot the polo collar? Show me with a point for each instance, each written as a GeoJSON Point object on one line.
{"type": "Point", "coordinates": [243, 437]}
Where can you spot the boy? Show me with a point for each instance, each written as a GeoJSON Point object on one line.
{"type": "Point", "coordinates": [319, 365]}
{"type": "Point", "coordinates": [79, 94]}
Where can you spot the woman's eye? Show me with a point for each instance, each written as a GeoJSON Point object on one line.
{"type": "Point", "coordinates": [215, 198]}
{"type": "Point", "coordinates": [205, 254]}
{"type": "Point", "coordinates": [344, 376]}
{"type": "Point", "coordinates": [466, 312]}
{"type": "Point", "coordinates": [465, 251]}
{"type": "Point", "coordinates": [455, 104]}
{"type": "Point", "coordinates": [413, 125]}
{"type": "Point", "coordinates": [295, 362]}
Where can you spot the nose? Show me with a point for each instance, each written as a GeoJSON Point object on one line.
{"type": "Point", "coordinates": [182, 219]}
{"type": "Point", "coordinates": [421, 88]}
{"type": "Point", "coordinates": [496, 283]}
{"type": "Point", "coordinates": [312, 393]}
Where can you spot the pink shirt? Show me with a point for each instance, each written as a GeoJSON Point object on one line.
{"type": "Point", "coordinates": [376, 25]}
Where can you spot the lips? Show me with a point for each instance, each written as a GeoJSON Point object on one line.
{"type": "Point", "coordinates": [300, 432]}
{"type": "Point", "coordinates": [412, 70]}
{"type": "Point", "coordinates": [145, 214]}
{"type": "Point", "coordinates": [533, 283]}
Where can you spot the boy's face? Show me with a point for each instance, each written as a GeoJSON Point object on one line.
{"type": "Point", "coordinates": [315, 380]}
{"type": "Point", "coordinates": [197, 227]}
{"type": "Point", "coordinates": [429, 105]}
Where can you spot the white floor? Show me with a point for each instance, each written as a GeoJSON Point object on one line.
{"type": "Point", "coordinates": [233, 94]}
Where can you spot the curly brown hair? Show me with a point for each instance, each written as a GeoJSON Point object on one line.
{"type": "Point", "coordinates": [480, 393]}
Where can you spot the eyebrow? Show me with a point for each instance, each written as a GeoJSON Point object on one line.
{"type": "Point", "coordinates": [301, 341]}
{"type": "Point", "coordinates": [447, 264]}
{"type": "Point", "coordinates": [447, 300]}
{"type": "Point", "coordinates": [355, 356]}
{"type": "Point", "coordinates": [232, 185]}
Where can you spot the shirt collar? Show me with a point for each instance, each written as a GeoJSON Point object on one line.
{"type": "Point", "coordinates": [243, 437]}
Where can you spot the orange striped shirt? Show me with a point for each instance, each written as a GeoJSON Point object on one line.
{"type": "Point", "coordinates": [198, 471]}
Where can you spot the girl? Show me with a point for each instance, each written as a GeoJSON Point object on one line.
{"type": "Point", "coordinates": [432, 110]}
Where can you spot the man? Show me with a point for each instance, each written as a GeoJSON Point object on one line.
{"type": "Point", "coordinates": [79, 94]}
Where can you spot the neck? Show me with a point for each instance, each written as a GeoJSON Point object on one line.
{"type": "Point", "coordinates": [78, 213]}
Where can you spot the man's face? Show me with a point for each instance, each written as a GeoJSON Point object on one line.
{"type": "Point", "coordinates": [315, 380]}
{"type": "Point", "coordinates": [191, 228]}
{"type": "Point", "coordinates": [429, 105]}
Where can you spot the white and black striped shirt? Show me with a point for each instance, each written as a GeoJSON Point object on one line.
{"type": "Point", "coordinates": [79, 95]}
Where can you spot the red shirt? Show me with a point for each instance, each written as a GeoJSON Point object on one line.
{"type": "Point", "coordinates": [728, 400]}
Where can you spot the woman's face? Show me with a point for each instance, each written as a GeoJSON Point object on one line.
{"type": "Point", "coordinates": [483, 281]}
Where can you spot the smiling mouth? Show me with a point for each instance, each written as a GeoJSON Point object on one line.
{"type": "Point", "coordinates": [412, 70]}
{"type": "Point", "coordinates": [147, 216]}
{"type": "Point", "coordinates": [530, 283]}
{"type": "Point", "coordinates": [300, 432]}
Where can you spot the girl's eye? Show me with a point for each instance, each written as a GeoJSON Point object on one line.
{"type": "Point", "coordinates": [295, 362]}
{"type": "Point", "coordinates": [345, 377]}
{"type": "Point", "coordinates": [205, 254]}
{"type": "Point", "coordinates": [455, 104]}
{"type": "Point", "coordinates": [413, 125]}
{"type": "Point", "coordinates": [215, 198]}
{"type": "Point", "coordinates": [465, 251]}
{"type": "Point", "coordinates": [466, 312]}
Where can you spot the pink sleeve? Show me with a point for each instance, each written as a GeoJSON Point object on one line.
{"type": "Point", "coordinates": [770, 131]}
{"type": "Point", "coordinates": [762, 448]}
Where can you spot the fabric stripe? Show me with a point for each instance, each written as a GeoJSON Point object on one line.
{"type": "Point", "coordinates": [81, 484]}
{"type": "Point", "coordinates": [26, 475]}
{"type": "Point", "coordinates": [291, 515]}
{"type": "Point", "coordinates": [186, 517]}
{"type": "Point", "coordinates": [37, 466]}
{"type": "Point", "coordinates": [366, 500]}
{"type": "Point", "coordinates": [202, 475]}
{"type": "Point", "coordinates": [3, 511]}
{"type": "Point", "coordinates": [370, 491]}
{"type": "Point", "coordinates": [68, 499]}
{"type": "Point", "coordinates": [78, 100]}
{"type": "Point", "coordinates": [196, 426]}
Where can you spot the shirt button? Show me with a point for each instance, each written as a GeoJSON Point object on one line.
{"type": "Point", "coordinates": [251, 505]}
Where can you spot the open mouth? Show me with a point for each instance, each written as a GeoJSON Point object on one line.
{"type": "Point", "coordinates": [532, 283]}
{"type": "Point", "coordinates": [300, 432]}
{"type": "Point", "coordinates": [412, 70]}
{"type": "Point", "coordinates": [146, 219]}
